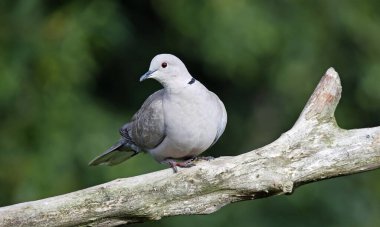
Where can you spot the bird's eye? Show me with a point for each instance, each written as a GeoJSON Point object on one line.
{"type": "Point", "coordinates": [164, 64]}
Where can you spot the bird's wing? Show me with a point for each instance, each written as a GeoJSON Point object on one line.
{"type": "Point", "coordinates": [146, 129]}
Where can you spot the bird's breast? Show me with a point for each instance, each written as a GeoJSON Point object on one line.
{"type": "Point", "coordinates": [190, 121]}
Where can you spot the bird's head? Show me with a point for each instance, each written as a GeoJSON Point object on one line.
{"type": "Point", "coordinates": [168, 70]}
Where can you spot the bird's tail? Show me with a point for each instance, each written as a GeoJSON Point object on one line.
{"type": "Point", "coordinates": [116, 154]}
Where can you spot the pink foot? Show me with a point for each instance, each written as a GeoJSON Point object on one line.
{"type": "Point", "coordinates": [183, 164]}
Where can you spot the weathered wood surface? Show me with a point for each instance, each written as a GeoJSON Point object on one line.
{"type": "Point", "coordinates": [314, 149]}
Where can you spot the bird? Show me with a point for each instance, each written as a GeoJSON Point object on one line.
{"type": "Point", "coordinates": [175, 124]}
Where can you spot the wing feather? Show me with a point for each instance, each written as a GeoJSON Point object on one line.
{"type": "Point", "coordinates": [147, 128]}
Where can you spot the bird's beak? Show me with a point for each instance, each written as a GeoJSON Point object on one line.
{"type": "Point", "coordinates": [147, 75]}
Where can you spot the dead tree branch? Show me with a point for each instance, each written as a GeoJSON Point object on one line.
{"type": "Point", "coordinates": [314, 149]}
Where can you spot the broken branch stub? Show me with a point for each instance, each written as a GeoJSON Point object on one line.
{"type": "Point", "coordinates": [315, 148]}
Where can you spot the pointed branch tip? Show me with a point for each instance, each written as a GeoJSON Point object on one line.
{"type": "Point", "coordinates": [331, 71]}
{"type": "Point", "coordinates": [324, 99]}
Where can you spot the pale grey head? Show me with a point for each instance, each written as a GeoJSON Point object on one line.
{"type": "Point", "coordinates": [168, 70]}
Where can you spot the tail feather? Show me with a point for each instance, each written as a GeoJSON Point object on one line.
{"type": "Point", "coordinates": [114, 155]}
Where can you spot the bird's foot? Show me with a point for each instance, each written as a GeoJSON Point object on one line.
{"type": "Point", "coordinates": [183, 164]}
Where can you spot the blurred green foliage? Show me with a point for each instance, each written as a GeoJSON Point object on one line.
{"type": "Point", "coordinates": [69, 79]}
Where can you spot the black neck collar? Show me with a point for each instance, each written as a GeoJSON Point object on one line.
{"type": "Point", "coordinates": [191, 81]}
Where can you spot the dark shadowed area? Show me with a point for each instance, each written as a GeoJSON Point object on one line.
{"type": "Point", "coordinates": [69, 78]}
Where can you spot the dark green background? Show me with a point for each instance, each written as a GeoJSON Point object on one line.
{"type": "Point", "coordinates": [69, 75]}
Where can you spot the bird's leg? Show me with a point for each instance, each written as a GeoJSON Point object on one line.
{"type": "Point", "coordinates": [183, 164]}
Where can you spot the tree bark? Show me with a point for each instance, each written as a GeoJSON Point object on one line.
{"type": "Point", "coordinates": [313, 150]}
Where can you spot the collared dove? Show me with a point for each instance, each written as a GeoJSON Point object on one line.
{"type": "Point", "coordinates": [175, 124]}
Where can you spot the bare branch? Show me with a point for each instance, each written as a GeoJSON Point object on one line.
{"type": "Point", "coordinates": [314, 149]}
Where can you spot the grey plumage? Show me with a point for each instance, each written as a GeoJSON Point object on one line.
{"type": "Point", "coordinates": [175, 123]}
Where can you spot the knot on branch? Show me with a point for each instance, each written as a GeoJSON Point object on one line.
{"type": "Point", "coordinates": [287, 187]}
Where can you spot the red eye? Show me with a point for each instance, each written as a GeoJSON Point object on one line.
{"type": "Point", "coordinates": [164, 64]}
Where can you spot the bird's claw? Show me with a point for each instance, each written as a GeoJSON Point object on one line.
{"type": "Point", "coordinates": [187, 163]}
{"type": "Point", "coordinates": [184, 164]}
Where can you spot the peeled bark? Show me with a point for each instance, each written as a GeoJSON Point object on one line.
{"type": "Point", "coordinates": [313, 150]}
